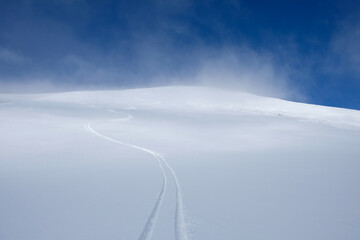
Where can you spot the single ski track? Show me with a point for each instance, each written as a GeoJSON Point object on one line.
{"type": "Point", "coordinates": [180, 222]}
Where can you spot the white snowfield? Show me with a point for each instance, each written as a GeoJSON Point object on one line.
{"type": "Point", "coordinates": [176, 163]}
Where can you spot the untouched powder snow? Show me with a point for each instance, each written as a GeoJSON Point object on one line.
{"type": "Point", "coordinates": [176, 163]}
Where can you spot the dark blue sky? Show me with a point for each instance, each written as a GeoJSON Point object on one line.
{"type": "Point", "coordinates": [302, 50]}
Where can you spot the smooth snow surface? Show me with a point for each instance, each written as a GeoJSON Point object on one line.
{"type": "Point", "coordinates": [176, 163]}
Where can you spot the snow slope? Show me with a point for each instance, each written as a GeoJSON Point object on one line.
{"type": "Point", "coordinates": [176, 163]}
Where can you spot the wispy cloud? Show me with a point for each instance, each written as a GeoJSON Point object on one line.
{"type": "Point", "coordinates": [156, 43]}
{"type": "Point", "coordinates": [345, 49]}
{"type": "Point", "coordinates": [9, 56]}
{"type": "Point", "coordinates": [82, 45]}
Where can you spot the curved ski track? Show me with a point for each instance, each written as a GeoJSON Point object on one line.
{"type": "Point", "coordinates": [180, 222]}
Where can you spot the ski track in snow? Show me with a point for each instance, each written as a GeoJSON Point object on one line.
{"type": "Point", "coordinates": [125, 119]}
{"type": "Point", "coordinates": [150, 223]}
{"type": "Point", "coordinates": [180, 222]}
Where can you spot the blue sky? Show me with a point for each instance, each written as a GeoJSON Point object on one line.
{"type": "Point", "coordinates": [299, 50]}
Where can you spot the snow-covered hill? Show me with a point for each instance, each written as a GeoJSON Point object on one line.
{"type": "Point", "coordinates": [176, 163]}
